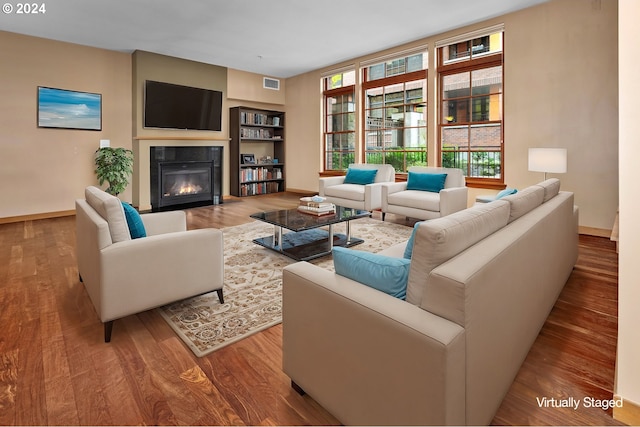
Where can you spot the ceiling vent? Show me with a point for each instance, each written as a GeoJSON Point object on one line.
{"type": "Point", "coordinates": [269, 83]}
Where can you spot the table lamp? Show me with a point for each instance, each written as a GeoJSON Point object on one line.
{"type": "Point", "coordinates": [548, 160]}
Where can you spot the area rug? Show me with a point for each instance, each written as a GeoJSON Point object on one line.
{"type": "Point", "coordinates": [253, 285]}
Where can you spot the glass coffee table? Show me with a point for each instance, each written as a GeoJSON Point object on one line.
{"type": "Point", "coordinates": [307, 239]}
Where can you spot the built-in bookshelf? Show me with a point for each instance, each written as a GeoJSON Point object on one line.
{"type": "Point", "coordinates": [257, 151]}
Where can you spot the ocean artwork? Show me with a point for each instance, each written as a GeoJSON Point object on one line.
{"type": "Point", "coordinates": [67, 109]}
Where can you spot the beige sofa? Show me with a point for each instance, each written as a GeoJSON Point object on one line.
{"type": "Point", "coordinates": [482, 282]}
{"type": "Point", "coordinates": [125, 276]}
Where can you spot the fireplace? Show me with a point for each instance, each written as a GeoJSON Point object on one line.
{"type": "Point", "coordinates": [183, 177]}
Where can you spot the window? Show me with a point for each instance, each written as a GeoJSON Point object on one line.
{"type": "Point", "coordinates": [395, 125]}
{"type": "Point", "coordinates": [339, 124]}
{"type": "Point", "coordinates": [471, 106]}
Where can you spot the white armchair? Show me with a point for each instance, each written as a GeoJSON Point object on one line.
{"type": "Point", "coordinates": [357, 196]}
{"type": "Point", "coordinates": [125, 276]}
{"type": "Point", "coordinates": [426, 204]}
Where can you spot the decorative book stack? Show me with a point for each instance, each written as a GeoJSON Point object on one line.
{"type": "Point", "coordinates": [313, 206]}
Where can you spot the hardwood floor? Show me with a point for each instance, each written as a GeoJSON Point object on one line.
{"type": "Point", "coordinates": [55, 368]}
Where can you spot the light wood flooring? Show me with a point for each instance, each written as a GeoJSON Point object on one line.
{"type": "Point", "coordinates": [55, 368]}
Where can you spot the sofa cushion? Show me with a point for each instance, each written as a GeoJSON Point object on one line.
{"type": "Point", "coordinates": [346, 191]}
{"type": "Point", "coordinates": [551, 188]}
{"type": "Point", "coordinates": [386, 274]}
{"type": "Point", "coordinates": [110, 209]}
{"type": "Point", "coordinates": [425, 200]}
{"type": "Point", "coordinates": [134, 221]}
{"type": "Point", "coordinates": [433, 182]}
{"type": "Point", "coordinates": [524, 201]}
{"type": "Point", "coordinates": [439, 240]}
{"type": "Point", "coordinates": [360, 176]}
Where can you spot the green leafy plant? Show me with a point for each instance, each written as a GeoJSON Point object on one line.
{"type": "Point", "coordinates": [115, 166]}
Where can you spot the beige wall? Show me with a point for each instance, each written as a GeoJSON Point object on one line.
{"type": "Point", "coordinates": [45, 170]}
{"type": "Point", "coordinates": [244, 86]}
{"type": "Point", "coordinates": [560, 91]}
{"type": "Point", "coordinates": [627, 368]}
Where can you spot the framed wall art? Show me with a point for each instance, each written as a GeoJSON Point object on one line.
{"type": "Point", "coordinates": [68, 109]}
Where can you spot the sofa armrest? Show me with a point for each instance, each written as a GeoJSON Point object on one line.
{"type": "Point", "coordinates": [140, 274]}
{"type": "Point", "coordinates": [328, 182]}
{"type": "Point", "coordinates": [394, 187]}
{"type": "Point", "coordinates": [373, 196]}
{"type": "Point", "coordinates": [453, 200]}
{"type": "Point", "coordinates": [164, 222]}
{"type": "Point", "coordinates": [367, 357]}
{"type": "Point", "coordinates": [390, 188]}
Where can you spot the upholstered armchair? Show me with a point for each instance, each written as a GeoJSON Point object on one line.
{"type": "Point", "coordinates": [360, 188]}
{"type": "Point", "coordinates": [426, 196]}
{"type": "Point", "coordinates": [162, 263]}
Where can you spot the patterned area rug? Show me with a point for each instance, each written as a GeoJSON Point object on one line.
{"type": "Point", "coordinates": [253, 285]}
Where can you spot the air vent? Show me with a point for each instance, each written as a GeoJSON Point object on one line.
{"type": "Point", "coordinates": [269, 83]}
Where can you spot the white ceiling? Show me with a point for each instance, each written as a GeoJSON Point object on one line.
{"type": "Point", "coordinates": [277, 38]}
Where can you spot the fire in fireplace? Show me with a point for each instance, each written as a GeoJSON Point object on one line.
{"type": "Point", "coordinates": [185, 176]}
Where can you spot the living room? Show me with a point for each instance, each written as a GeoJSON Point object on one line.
{"type": "Point", "coordinates": [562, 70]}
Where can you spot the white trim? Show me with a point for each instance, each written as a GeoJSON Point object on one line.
{"type": "Point", "coordinates": [470, 35]}
{"type": "Point", "coordinates": [350, 67]}
{"type": "Point", "coordinates": [395, 55]}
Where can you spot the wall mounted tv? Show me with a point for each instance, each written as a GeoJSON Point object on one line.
{"type": "Point", "coordinates": [171, 106]}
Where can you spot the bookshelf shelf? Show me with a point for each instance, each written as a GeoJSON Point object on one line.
{"type": "Point", "coordinates": [256, 134]}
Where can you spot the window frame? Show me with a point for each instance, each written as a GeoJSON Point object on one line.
{"type": "Point", "coordinates": [458, 66]}
{"type": "Point", "coordinates": [389, 81]}
{"type": "Point", "coordinates": [327, 115]}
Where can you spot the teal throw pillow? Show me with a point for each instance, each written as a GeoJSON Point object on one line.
{"type": "Point", "coordinates": [506, 192]}
{"type": "Point", "coordinates": [433, 182]}
{"type": "Point", "coordinates": [380, 272]}
{"type": "Point", "coordinates": [408, 250]}
{"type": "Point", "coordinates": [360, 176]}
{"type": "Point", "coordinates": [134, 221]}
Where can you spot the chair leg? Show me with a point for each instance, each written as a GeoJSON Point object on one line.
{"type": "Point", "coordinates": [108, 327]}
{"type": "Point", "coordinates": [383, 214]}
{"type": "Point", "coordinates": [220, 296]}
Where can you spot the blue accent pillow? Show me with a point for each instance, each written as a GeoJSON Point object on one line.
{"type": "Point", "coordinates": [134, 221]}
{"type": "Point", "coordinates": [360, 176]}
{"type": "Point", "coordinates": [408, 250]}
{"type": "Point", "coordinates": [433, 182]}
{"type": "Point", "coordinates": [380, 272]}
{"type": "Point", "coordinates": [506, 192]}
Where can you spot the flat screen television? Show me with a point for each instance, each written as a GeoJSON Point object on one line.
{"type": "Point", "coordinates": [171, 106]}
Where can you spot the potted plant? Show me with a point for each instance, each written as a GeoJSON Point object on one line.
{"type": "Point", "coordinates": [114, 165]}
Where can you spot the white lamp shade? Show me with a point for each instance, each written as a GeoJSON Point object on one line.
{"type": "Point", "coordinates": [552, 160]}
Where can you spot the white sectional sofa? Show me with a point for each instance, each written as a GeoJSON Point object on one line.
{"type": "Point", "coordinates": [482, 282]}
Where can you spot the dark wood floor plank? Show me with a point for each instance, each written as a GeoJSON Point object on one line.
{"type": "Point", "coordinates": [8, 386]}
